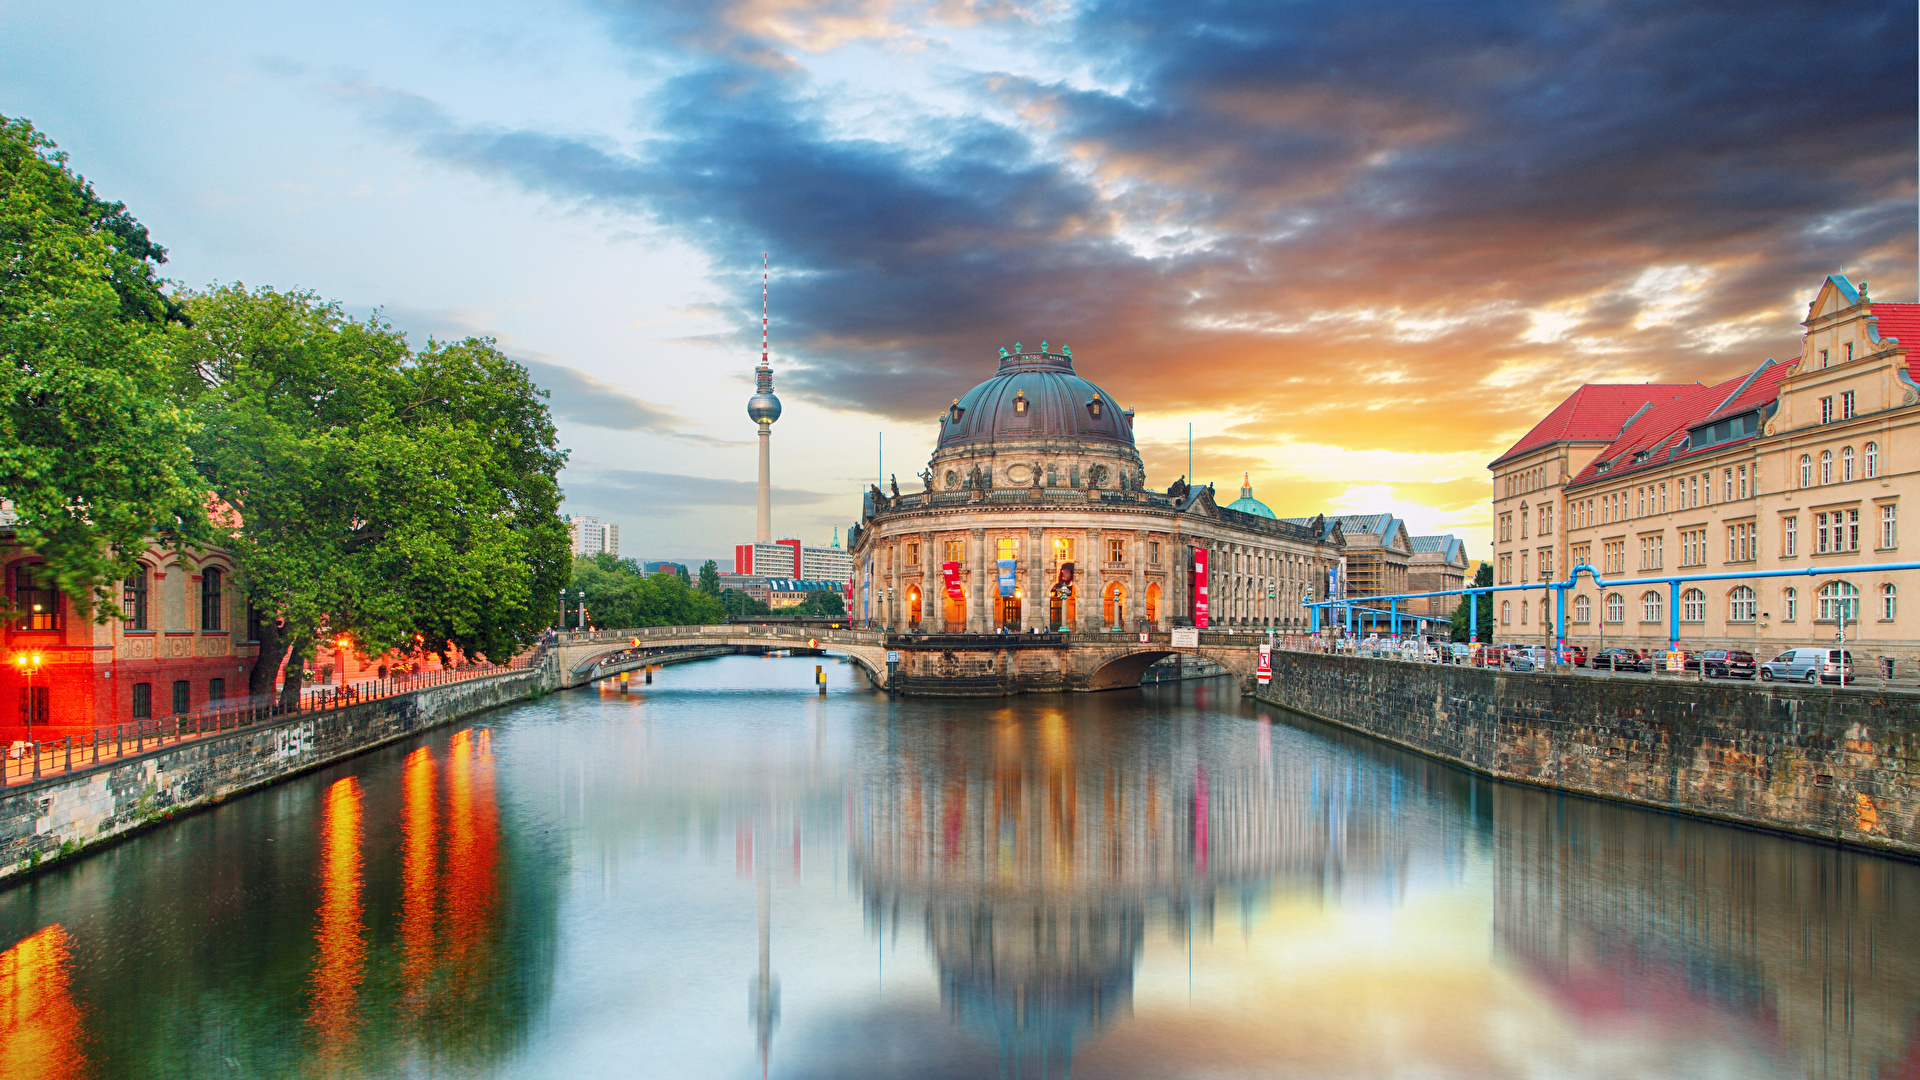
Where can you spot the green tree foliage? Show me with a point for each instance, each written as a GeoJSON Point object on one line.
{"type": "Point", "coordinates": [619, 596]}
{"type": "Point", "coordinates": [710, 578]}
{"type": "Point", "coordinates": [93, 451]}
{"type": "Point", "coordinates": [739, 605]}
{"type": "Point", "coordinates": [394, 496]}
{"type": "Point", "coordinates": [1482, 576]}
{"type": "Point", "coordinates": [827, 603]}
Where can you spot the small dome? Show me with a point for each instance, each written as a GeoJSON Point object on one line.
{"type": "Point", "coordinates": [763, 408]}
{"type": "Point", "coordinates": [1035, 395]}
{"type": "Point", "coordinates": [1247, 504]}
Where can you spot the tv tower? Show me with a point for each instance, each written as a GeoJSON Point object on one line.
{"type": "Point", "coordinates": [765, 409]}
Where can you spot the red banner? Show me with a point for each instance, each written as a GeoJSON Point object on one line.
{"type": "Point", "coordinates": [951, 572]}
{"type": "Point", "coordinates": [1200, 588]}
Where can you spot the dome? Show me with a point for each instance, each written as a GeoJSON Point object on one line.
{"type": "Point", "coordinates": [1035, 396]}
{"type": "Point", "coordinates": [1247, 504]}
{"type": "Point", "coordinates": [763, 408]}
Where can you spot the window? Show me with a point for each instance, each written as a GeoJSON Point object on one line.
{"type": "Point", "coordinates": [1889, 601]}
{"type": "Point", "coordinates": [1020, 403]}
{"type": "Point", "coordinates": [1823, 358]}
{"type": "Point", "coordinates": [1839, 600]}
{"type": "Point", "coordinates": [1650, 606]}
{"type": "Point", "coordinates": [1523, 613]}
{"type": "Point", "coordinates": [1743, 481]}
{"type": "Point", "coordinates": [1790, 536]}
{"type": "Point", "coordinates": [1663, 498]}
{"type": "Point", "coordinates": [1740, 604]}
{"type": "Point", "coordinates": [1582, 610]}
{"type": "Point", "coordinates": [1506, 528]}
{"type": "Point", "coordinates": [913, 554]}
{"type": "Point", "coordinates": [1846, 463]}
{"type": "Point", "coordinates": [1523, 566]}
{"type": "Point", "coordinates": [1613, 556]}
{"type": "Point", "coordinates": [1826, 410]}
{"type": "Point", "coordinates": [1846, 399]}
{"type": "Point", "coordinates": [1693, 606]}
{"type": "Point", "coordinates": [1890, 525]}
{"type": "Point", "coordinates": [1116, 551]}
{"type": "Point", "coordinates": [1849, 354]}
{"type": "Point", "coordinates": [1545, 618]}
{"type": "Point", "coordinates": [1616, 608]}
{"type": "Point", "coordinates": [36, 598]}
{"type": "Point", "coordinates": [1706, 488]}
{"type": "Point", "coordinates": [216, 689]}
{"type": "Point", "coordinates": [1790, 603]}
{"type": "Point", "coordinates": [1806, 470]}
{"type": "Point", "coordinates": [1153, 552]}
{"type": "Point", "coordinates": [1837, 531]}
{"type": "Point", "coordinates": [1506, 612]}
{"type": "Point", "coordinates": [1740, 546]}
{"type": "Point", "coordinates": [1523, 521]}
{"type": "Point", "coordinates": [1642, 503]}
{"type": "Point", "coordinates": [1062, 549]}
{"type": "Point", "coordinates": [1546, 564]}
{"type": "Point", "coordinates": [1728, 481]}
{"type": "Point", "coordinates": [1693, 547]}
{"type": "Point", "coordinates": [1006, 547]}
{"type": "Point", "coordinates": [1650, 552]}
{"type": "Point", "coordinates": [1546, 520]}
{"type": "Point", "coordinates": [182, 696]}
{"type": "Point", "coordinates": [954, 550]}
{"type": "Point", "coordinates": [1506, 569]}
{"type": "Point", "coordinates": [133, 598]}
{"type": "Point", "coordinates": [1873, 460]}
{"type": "Point", "coordinates": [1826, 466]}
{"type": "Point", "coordinates": [142, 700]}
{"type": "Point", "coordinates": [1583, 555]}
{"type": "Point", "coordinates": [210, 607]}
{"type": "Point", "coordinates": [1093, 408]}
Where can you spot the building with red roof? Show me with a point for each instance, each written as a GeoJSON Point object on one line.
{"type": "Point", "coordinates": [1800, 464]}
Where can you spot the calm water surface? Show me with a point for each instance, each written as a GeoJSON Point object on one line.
{"type": "Point", "coordinates": [727, 875]}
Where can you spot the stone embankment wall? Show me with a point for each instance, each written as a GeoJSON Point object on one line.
{"type": "Point", "coordinates": [1839, 765]}
{"type": "Point", "coordinates": [61, 815]}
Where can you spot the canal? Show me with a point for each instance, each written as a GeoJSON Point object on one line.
{"type": "Point", "coordinates": [724, 875]}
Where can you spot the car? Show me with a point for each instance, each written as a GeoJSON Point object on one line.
{"type": "Point", "coordinates": [1459, 653]}
{"type": "Point", "coordinates": [1575, 655]}
{"type": "Point", "coordinates": [1726, 664]}
{"type": "Point", "coordinates": [1520, 660]}
{"type": "Point", "coordinates": [1621, 660]}
{"type": "Point", "coordinates": [1810, 664]}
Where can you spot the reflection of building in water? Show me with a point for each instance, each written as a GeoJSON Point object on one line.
{"type": "Point", "coordinates": [1626, 916]}
{"type": "Point", "coordinates": [1037, 872]}
{"type": "Point", "coordinates": [343, 947]}
{"type": "Point", "coordinates": [41, 1033]}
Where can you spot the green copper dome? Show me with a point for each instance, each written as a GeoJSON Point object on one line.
{"type": "Point", "coordinates": [1247, 504]}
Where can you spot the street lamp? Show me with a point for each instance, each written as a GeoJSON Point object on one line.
{"type": "Point", "coordinates": [28, 664]}
{"type": "Point", "coordinates": [581, 595]}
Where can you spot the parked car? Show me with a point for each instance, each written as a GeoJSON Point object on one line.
{"type": "Point", "coordinates": [1459, 653]}
{"type": "Point", "coordinates": [1725, 664]}
{"type": "Point", "coordinates": [1621, 660]}
{"type": "Point", "coordinates": [1576, 655]}
{"type": "Point", "coordinates": [1810, 664]}
{"type": "Point", "coordinates": [1521, 660]}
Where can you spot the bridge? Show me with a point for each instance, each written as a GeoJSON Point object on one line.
{"type": "Point", "coordinates": [940, 665]}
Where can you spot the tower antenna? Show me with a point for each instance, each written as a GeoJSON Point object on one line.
{"type": "Point", "coordinates": [764, 408]}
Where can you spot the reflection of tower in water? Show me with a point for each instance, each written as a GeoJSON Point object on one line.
{"type": "Point", "coordinates": [1038, 871]}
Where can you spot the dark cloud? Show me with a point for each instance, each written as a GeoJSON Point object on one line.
{"type": "Point", "coordinates": [578, 397]}
{"type": "Point", "coordinates": [647, 494]}
{"type": "Point", "coordinates": [1344, 218]}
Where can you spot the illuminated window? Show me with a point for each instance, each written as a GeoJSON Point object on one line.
{"type": "Point", "coordinates": [1116, 551]}
{"type": "Point", "coordinates": [953, 551]}
{"type": "Point", "coordinates": [1020, 403]}
{"type": "Point", "coordinates": [913, 554]}
{"type": "Point", "coordinates": [1007, 548]}
{"type": "Point", "coordinates": [36, 599]}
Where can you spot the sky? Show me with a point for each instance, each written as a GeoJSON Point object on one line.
{"type": "Point", "coordinates": [1360, 248]}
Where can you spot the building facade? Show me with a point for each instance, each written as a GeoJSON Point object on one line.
{"type": "Point", "coordinates": [1035, 514]}
{"type": "Point", "coordinates": [187, 641]}
{"type": "Point", "coordinates": [591, 536]}
{"type": "Point", "coordinates": [1794, 466]}
{"type": "Point", "coordinates": [1439, 563]}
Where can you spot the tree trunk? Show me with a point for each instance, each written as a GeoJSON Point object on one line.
{"type": "Point", "coordinates": [296, 672]}
{"type": "Point", "coordinates": [273, 646]}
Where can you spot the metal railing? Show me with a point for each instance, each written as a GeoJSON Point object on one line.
{"type": "Point", "coordinates": [33, 759]}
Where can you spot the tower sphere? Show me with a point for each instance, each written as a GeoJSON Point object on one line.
{"type": "Point", "coordinates": [763, 407]}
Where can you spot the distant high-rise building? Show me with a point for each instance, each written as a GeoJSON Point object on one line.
{"type": "Point", "coordinates": [591, 536]}
{"type": "Point", "coordinates": [791, 559]}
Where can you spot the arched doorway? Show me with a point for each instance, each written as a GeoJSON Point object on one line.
{"type": "Point", "coordinates": [1060, 609]}
{"type": "Point", "coordinates": [956, 612]}
{"type": "Point", "coordinates": [913, 605]}
{"type": "Point", "coordinates": [1113, 606]}
{"type": "Point", "coordinates": [1153, 605]}
{"type": "Point", "coordinates": [1010, 611]}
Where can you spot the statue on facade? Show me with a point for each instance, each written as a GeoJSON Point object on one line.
{"type": "Point", "coordinates": [926, 478]}
{"type": "Point", "coordinates": [893, 481]}
{"type": "Point", "coordinates": [1178, 489]}
{"type": "Point", "coordinates": [1036, 475]}
{"type": "Point", "coordinates": [973, 479]}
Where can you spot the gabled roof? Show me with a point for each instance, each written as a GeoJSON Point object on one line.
{"type": "Point", "coordinates": [1446, 545]}
{"type": "Point", "coordinates": [1594, 413]}
{"type": "Point", "coordinates": [1899, 321]}
{"type": "Point", "coordinates": [1661, 433]}
{"type": "Point", "coordinates": [1761, 387]}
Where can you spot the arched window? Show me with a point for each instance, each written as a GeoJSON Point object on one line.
{"type": "Point", "coordinates": [1616, 608]}
{"type": "Point", "coordinates": [1693, 606]}
{"type": "Point", "coordinates": [1523, 613]}
{"type": "Point", "coordinates": [36, 598]}
{"type": "Point", "coordinates": [1650, 606]}
{"type": "Point", "coordinates": [1790, 603]}
{"type": "Point", "coordinates": [1873, 460]}
{"type": "Point", "coordinates": [1839, 600]}
{"type": "Point", "coordinates": [133, 598]}
{"type": "Point", "coordinates": [1806, 470]}
{"type": "Point", "coordinates": [1846, 463]}
{"type": "Point", "coordinates": [1889, 601]}
{"type": "Point", "coordinates": [1582, 609]}
{"type": "Point", "coordinates": [1546, 615]}
{"type": "Point", "coordinates": [1826, 466]}
{"type": "Point", "coordinates": [1740, 604]}
{"type": "Point", "coordinates": [1523, 521]}
{"type": "Point", "coordinates": [1506, 612]}
{"type": "Point", "coordinates": [211, 607]}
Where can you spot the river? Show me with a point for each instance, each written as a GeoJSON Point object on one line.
{"type": "Point", "coordinates": [726, 875]}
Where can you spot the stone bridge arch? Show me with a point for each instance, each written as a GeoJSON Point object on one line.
{"type": "Point", "coordinates": [1119, 667]}
{"type": "Point", "coordinates": [581, 657]}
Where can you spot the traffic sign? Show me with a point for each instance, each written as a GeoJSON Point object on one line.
{"type": "Point", "coordinates": [892, 657]}
{"type": "Point", "coordinates": [1143, 637]}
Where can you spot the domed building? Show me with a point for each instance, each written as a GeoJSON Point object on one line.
{"type": "Point", "coordinates": [1036, 513]}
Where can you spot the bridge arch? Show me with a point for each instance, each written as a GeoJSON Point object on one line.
{"type": "Point", "coordinates": [582, 658]}
{"type": "Point", "coordinates": [1123, 667]}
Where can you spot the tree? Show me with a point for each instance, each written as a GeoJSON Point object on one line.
{"type": "Point", "coordinates": [619, 596]}
{"type": "Point", "coordinates": [739, 605]}
{"type": "Point", "coordinates": [710, 578]}
{"type": "Point", "coordinates": [403, 499]}
{"type": "Point", "coordinates": [93, 450]}
{"type": "Point", "coordinates": [824, 603]}
{"type": "Point", "coordinates": [1481, 577]}
{"type": "Point", "coordinates": [680, 571]}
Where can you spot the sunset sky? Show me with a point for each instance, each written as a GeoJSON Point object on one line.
{"type": "Point", "coordinates": [1360, 247]}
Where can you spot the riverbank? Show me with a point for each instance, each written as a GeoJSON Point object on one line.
{"type": "Point", "coordinates": [1809, 761]}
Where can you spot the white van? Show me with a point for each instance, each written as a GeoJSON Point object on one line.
{"type": "Point", "coordinates": [1810, 664]}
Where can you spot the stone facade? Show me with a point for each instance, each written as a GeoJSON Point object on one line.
{"type": "Point", "coordinates": [1820, 762]}
{"type": "Point", "coordinates": [1797, 466]}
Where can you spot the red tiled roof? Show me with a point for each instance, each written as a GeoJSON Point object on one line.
{"type": "Point", "coordinates": [1595, 412]}
{"type": "Point", "coordinates": [1899, 321]}
{"type": "Point", "coordinates": [1764, 388]}
{"type": "Point", "coordinates": [1662, 429]}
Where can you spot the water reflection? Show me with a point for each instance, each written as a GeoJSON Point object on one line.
{"type": "Point", "coordinates": [40, 1024]}
{"type": "Point", "coordinates": [343, 948]}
